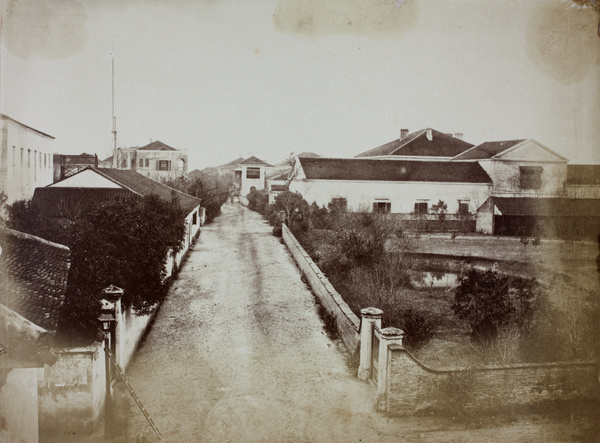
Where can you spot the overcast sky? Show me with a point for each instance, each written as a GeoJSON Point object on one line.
{"type": "Point", "coordinates": [227, 78]}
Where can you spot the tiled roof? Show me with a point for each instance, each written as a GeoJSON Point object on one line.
{"type": "Point", "coordinates": [33, 277]}
{"type": "Point", "coordinates": [72, 202]}
{"type": "Point", "coordinates": [156, 146]}
{"type": "Point", "coordinates": [487, 150]}
{"type": "Point", "coordinates": [232, 164]}
{"type": "Point", "coordinates": [280, 175]}
{"type": "Point", "coordinates": [146, 186]}
{"type": "Point", "coordinates": [417, 144]}
{"type": "Point", "coordinates": [583, 174]}
{"type": "Point", "coordinates": [253, 161]}
{"type": "Point", "coordinates": [53, 200]}
{"type": "Point", "coordinates": [393, 170]}
{"type": "Point", "coordinates": [565, 207]}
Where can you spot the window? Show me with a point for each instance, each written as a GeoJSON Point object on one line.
{"type": "Point", "coordinates": [531, 177]}
{"type": "Point", "coordinates": [147, 162]}
{"type": "Point", "coordinates": [382, 207]}
{"type": "Point", "coordinates": [463, 208]}
{"type": "Point", "coordinates": [14, 155]}
{"type": "Point", "coordinates": [45, 163]}
{"type": "Point", "coordinates": [164, 165]}
{"type": "Point", "coordinates": [141, 162]}
{"type": "Point", "coordinates": [421, 208]}
{"type": "Point", "coordinates": [29, 158]}
{"type": "Point", "coordinates": [22, 150]}
{"type": "Point", "coordinates": [253, 173]}
{"type": "Point", "coordinates": [195, 218]}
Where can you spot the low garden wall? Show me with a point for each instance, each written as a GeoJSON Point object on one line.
{"type": "Point", "coordinates": [72, 390]}
{"type": "Point", "coordinates": [347, 323]}
{"type": "Point", "coordinates": [412, 387]}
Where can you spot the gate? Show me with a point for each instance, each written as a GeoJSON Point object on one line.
{"type": "Point", "coordinates": [374, 356]}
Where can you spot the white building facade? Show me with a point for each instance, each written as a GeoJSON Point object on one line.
{"type": "Point", "coordinates": [26, 159]}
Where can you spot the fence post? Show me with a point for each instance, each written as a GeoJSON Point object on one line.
{"type": "Point", "coordinates": [369, 318]}
{"type": "Point", "coordinates": [389, 336]}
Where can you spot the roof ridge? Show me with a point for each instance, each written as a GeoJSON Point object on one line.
{"type": "Point", "coordinates": [25, 236]}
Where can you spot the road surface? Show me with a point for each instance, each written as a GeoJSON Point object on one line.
{"type": "Point", "coordinates": [238, 353]}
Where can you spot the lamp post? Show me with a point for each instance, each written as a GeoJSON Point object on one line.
{"type": "Point", "coordinates": [107, 319]}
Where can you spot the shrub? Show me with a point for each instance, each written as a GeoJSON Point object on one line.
{"type": "Point", "coordinates": [258, 201]}
{"type": "Point", "coordinates": [418, 329]}
{"type": "Point", "coordinates": [490, 302]}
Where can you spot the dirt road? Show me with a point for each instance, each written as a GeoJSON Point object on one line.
{"type": "Point", "coordinates": [238, 353]}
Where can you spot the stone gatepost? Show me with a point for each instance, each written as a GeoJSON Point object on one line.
{"type": "Point", "coordinates": [388, 336]}
{"type": "Point", "coordinates": [370, 317]}
{"type": "Point", "coordinates": [113, 295]}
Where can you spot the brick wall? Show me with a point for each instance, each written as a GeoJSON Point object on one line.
{"type": "Point", "coordinates": [346, 322]}
{"type": "Point", "coordinates": [413, 387]}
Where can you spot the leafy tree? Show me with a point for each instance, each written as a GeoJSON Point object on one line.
{"type": "Point", "coordinates": [125, 243]}
{"type": "Point", "coordinates": [210, 185]}
{"type": "Point", "coordinates": [295, 208]}
{"type": "Point", "coordinates": [440, 209]}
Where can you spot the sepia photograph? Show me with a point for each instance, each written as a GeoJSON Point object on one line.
{"type": "Point", "coordinates": [299, 221]}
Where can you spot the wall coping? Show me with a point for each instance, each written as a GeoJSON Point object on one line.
{"type": "Point", "coordinates": [558, 364]}
{"type": "Point", "coordinates": [335, 294]}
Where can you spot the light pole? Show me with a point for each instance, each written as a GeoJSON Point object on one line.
{"type": "Point", "coordinates": [107, 319]}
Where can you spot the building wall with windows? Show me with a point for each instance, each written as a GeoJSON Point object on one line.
{"type": "Point", "coordinates": [161, 164]}
{"type": "Point", "coordinates": [156, 161]}
{"type": "Point", "coordinates": [394, 197]}
{"type": "Point", "coordinates": [26, 159]}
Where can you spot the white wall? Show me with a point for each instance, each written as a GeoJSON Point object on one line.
{"type": "Point", "coordinates": [178, 168]}
{"type": "Point", "coordinates": [247, 183]}
{"type": "Point", "coordinates": [507, 178]}
{"type": "Point", "coordinates": [361, 195]}
{"type": "Point", "coordinates": [26, 160]}
{"type": "Point", "coordinates": [19, 405]}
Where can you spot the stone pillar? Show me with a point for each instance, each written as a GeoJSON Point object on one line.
{"type": "Point", "coordinates": [113, 295]}
{"type": "Point", "coordinates": [389, 336]}
{"type": "Point", "coordinates": [369, 318]}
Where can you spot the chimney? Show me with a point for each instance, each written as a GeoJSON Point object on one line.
{"type": "Point", "coordinates": [403, 134]}
{"type": "Point", "coordinates": [429, 134]}
{"type": "Point", "coordinates": [458, 135]}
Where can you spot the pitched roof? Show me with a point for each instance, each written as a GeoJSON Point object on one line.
{"type": "Point", "coordinates": [487, 150]}
{"type": "Point", "coordinates": [393, 170]}
{"type": "Point", "coordinates": [232, 164]}
{"type": "Point", "coordinates": [583, 174]}
{"type": "Point", "coordinates": [278, 175]}
{"type": "Point", "coordinates": [146, 186]}
{"type": "Point", "coordinates": [531, 206]}
{"type": "Point", "coordinates": [156, 146]}
{"type": "Point", "coordinates": [253, 161]}
{"type": "Point", "coordinates": [417, 144]}
{"type": "Point", "coordinates": [52, 198]}
{"type": "Point", "coordinates": [33, 277]}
